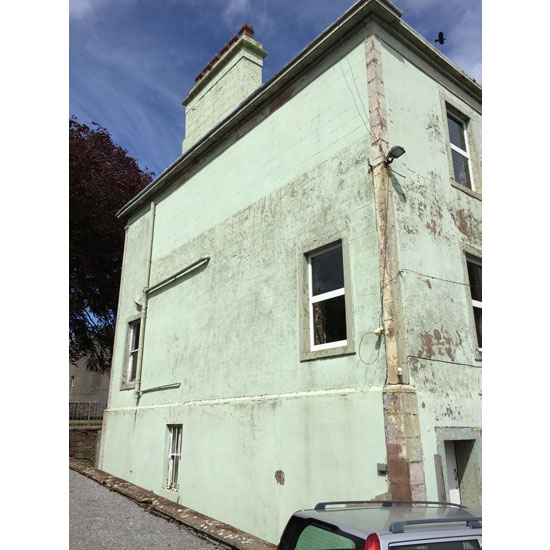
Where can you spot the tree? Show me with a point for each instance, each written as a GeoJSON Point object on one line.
{"type": "Point", "coordinates": [102, 179]}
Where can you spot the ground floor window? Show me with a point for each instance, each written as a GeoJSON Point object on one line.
{"type": "Point", "coordinates": [174, 456]}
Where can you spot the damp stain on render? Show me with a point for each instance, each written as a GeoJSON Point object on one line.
{"type": "Point", "coordinates": [280, 477]}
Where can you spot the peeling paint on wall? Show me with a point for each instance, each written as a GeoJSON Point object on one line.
{"type": "Point", "coordinates": [280, 477]}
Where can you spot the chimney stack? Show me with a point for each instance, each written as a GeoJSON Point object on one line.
{"type": "Point", "coordinates": [225, 81]}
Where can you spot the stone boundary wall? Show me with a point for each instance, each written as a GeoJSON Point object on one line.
{"type": "Point", "coordinates": [83, 443]}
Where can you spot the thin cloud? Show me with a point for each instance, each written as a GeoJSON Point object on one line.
{"type": "Point", "coordinates": [253, 11]}
{"type": "Point", "coordinates": [132, 63]}
{"type": "Point", "coordinates": [459, 20]}
{"type": "Point", "coordinates": [80, 9]}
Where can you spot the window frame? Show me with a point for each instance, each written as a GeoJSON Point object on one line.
{"type": "Point", "coordinates": [126, 382]}
{"type": "Point", "coordinates": [470, 115]}
{"type": "Point", "coordinates": [174, 456]}
{"type": "Point", "coordinates": [462, 120]}
{"type": "Point", "coordinates": [322, 298]}
{"type": "Point", "coordinates": [470, 258]}
{"type": "Point", "coordinates": [309, 351]}
{"type": "Point", "coordinates": [133, 352]}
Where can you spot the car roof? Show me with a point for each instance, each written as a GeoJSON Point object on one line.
{"type": "Point", "coordinates": [369, 518]}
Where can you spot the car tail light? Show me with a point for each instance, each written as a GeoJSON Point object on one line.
{"type": "Point", "coordinates": [372, 542]}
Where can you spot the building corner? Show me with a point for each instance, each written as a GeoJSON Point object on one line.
{"type": "Point", "coordinates": [400, 403]}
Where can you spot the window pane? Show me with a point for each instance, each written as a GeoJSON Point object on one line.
{"type": "Point", "coordinates": [170, 469]}
{"type": "Point", "coordinates": [315, 538]}
{"type": "Point", "coordinates": [477, 317]}
{"type": "Point", "coordinates": [135, 335]}
{"type": "Point", "coordinates": [474, 275]}
{"type": "Point", "coordinates": [327, 271]}
{"type": "Point", "coordinates": [329, 320]}
{"type": "Point", "coordinates": [175, 472]}
{"type": "Point", "coordinates": [461, 169]}
{"type": "Point", "coordinates": [132, 366]}
{"type": "Point", "coordinates": [456, 133]}
{"type": "Point", "coordinates": [174, 438]}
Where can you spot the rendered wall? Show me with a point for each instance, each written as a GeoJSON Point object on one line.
{"type": "Point", "coordinates": [263, 433]}
{"type": "Point", "coordinates": [436, 224]}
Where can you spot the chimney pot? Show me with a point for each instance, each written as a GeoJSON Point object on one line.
{"type": "Point", "coordinates": [225, 81]}
{"type": "Point", "coordinates": [247, 30]}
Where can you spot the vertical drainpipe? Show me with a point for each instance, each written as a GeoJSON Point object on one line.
{"type": "Point", "coordinates": [146, 284]}
{"type": "Point", "coordinates": [401, 419]}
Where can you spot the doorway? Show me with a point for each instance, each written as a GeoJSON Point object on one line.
{"type": "Point", "coordinates": [462, 477]}
{"type": "Point", "coordinates": [453, 485]}
{"type": "Point", "coordinates": [458, 466]}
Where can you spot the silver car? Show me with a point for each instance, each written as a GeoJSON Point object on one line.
{"type": "Point", "coordinates": [383, 525]}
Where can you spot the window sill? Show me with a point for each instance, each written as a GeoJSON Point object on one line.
{"type": "Point", "coordinates": [311, 355]}
{"type": "Point", "coordinates": [466, 190]}
{"type": "Point", "coordinates": [127, 386]}
{"type": "Point", "coordinates": [477, 354]}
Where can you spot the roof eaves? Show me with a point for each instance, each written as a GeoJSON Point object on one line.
{"type": "Point", "coordinates": [384, 10]}
{"type": "Point", "coordinates": [333, 33]}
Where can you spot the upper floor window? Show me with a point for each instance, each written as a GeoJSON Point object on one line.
{"type": "Point", "coordinates": [462, 169]}
{"type": "Point", "coordinates": [133, 348]}
{"type": "Point", "coordinates": [474, 276]}
{"type": "Point", "coordinates": [327, 302]}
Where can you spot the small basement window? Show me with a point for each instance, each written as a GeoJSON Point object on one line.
{"type": "Point", "coordinates": [327, 303]}
{"type": "Point", "coordinates": [460, 153]}
{"type": "Point", "coordinates": [474, 277]}
{"type": "Point", "coordinates": [174, 456]}
{"type": "Point", "coordinates": [133, 348]}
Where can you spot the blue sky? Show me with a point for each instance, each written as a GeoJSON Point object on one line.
{"type": "Point", "coordinates": [131, 62]}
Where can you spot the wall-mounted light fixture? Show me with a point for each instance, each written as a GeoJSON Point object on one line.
{"type": "Point", "coordinates": [395, 152]}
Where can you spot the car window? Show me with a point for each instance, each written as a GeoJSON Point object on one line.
{"type": "Point", "coordinates": [448, 545]}
{"type": "Point", "coordinates": [315, 538]}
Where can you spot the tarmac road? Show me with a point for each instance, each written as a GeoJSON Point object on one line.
{"type": "Point", "coordinates": [100, 519]}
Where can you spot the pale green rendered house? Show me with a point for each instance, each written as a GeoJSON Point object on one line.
{"type": "Point", "coordinates": [300, 313]}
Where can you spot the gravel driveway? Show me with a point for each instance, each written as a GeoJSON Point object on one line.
{"type": "Point", "coordinates": [100, 519]}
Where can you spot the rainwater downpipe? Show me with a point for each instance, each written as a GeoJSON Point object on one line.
{"type": "Point", "coordinates": [146, 282]}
